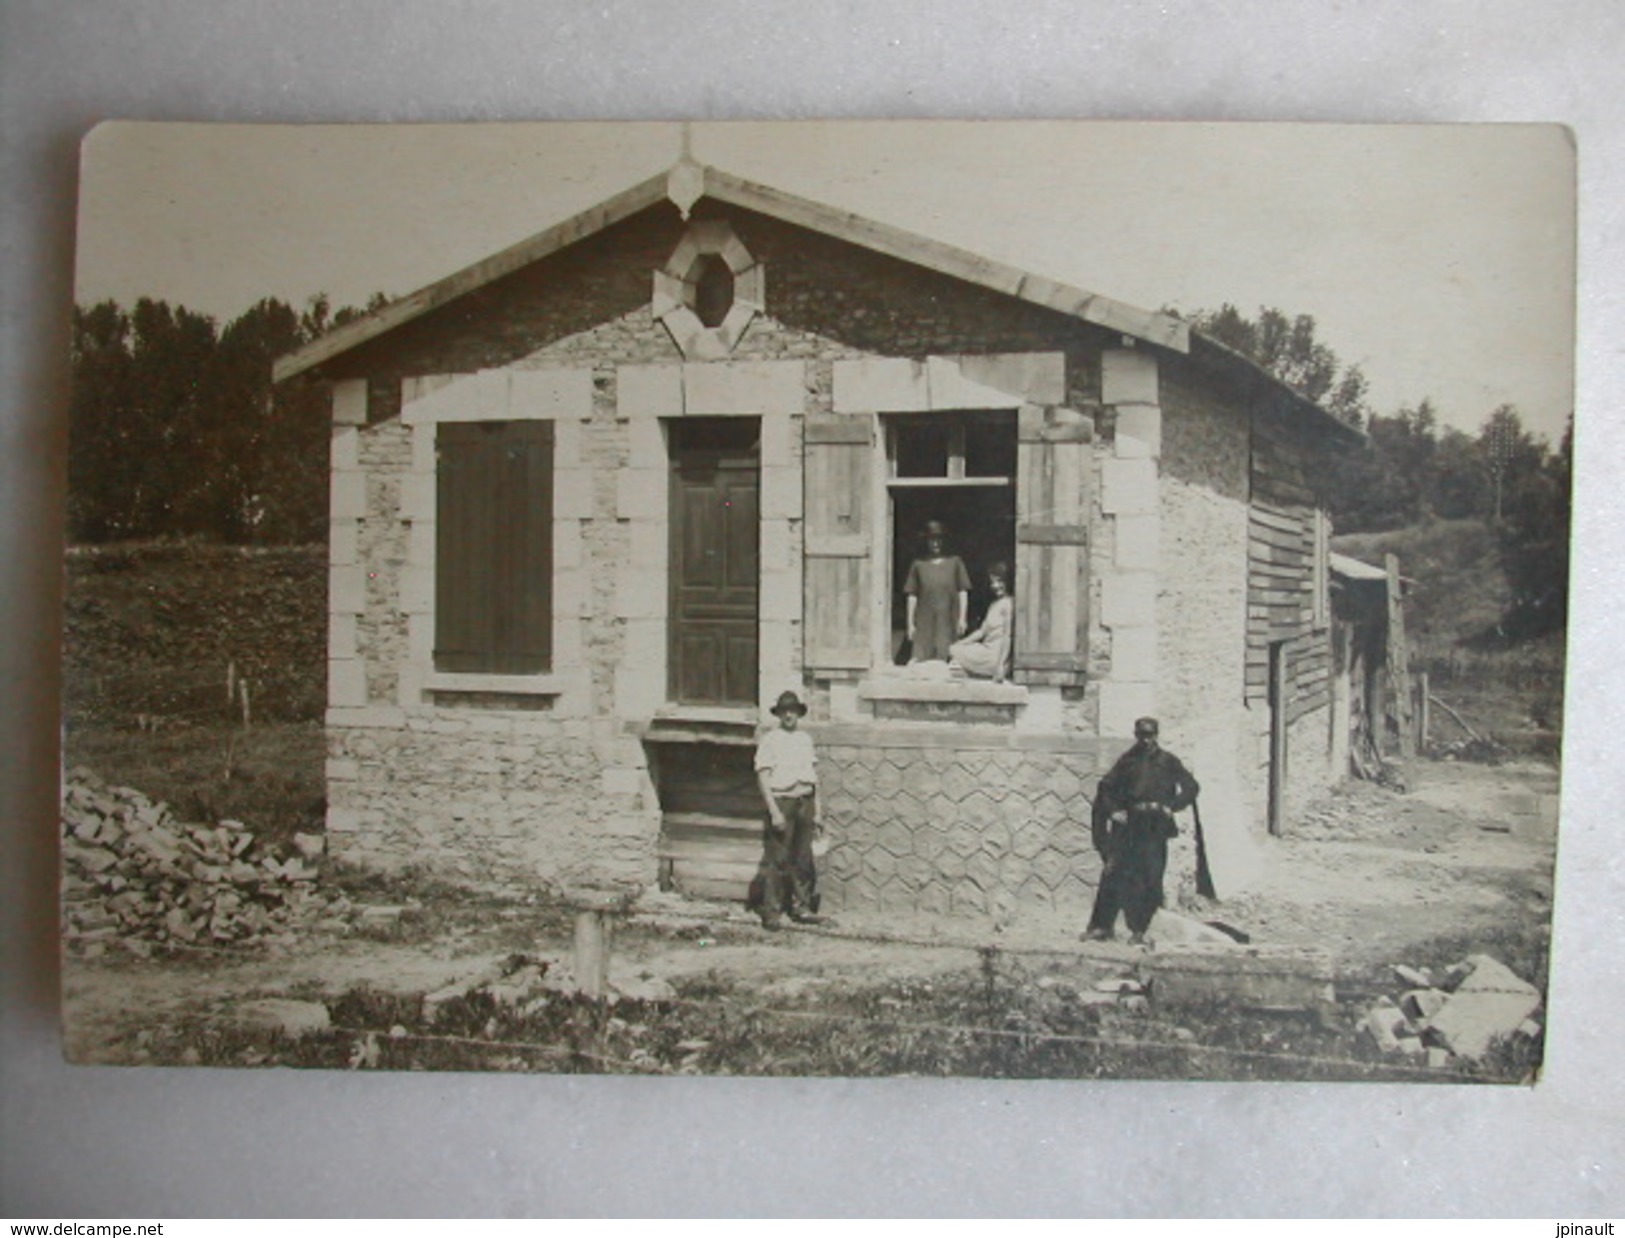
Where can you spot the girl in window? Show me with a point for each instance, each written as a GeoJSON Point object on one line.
{"type": "Point", "coordinates": [985, 653]}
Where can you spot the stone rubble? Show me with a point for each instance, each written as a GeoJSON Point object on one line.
{"type": "Point", "coordinates": [134, 875]}
{"type": "Point", "coordinates": [1455, 1017]}
{"type": "Point", "coordinates": [526, 984]}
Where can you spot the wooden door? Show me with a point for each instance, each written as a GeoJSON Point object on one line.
{"type": "Point", "coordinates": [714, 568]}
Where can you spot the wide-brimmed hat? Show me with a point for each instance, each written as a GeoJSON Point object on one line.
{"type": "Point", "coordinates": [788, 702]}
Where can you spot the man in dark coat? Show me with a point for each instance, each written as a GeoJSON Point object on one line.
{"type": "Point", "coordinates": [1132, 822]}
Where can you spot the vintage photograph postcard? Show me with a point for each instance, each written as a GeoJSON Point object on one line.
{"type": "Point", "coordinates": [1031, 600]}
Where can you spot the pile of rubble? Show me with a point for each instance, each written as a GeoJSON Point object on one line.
{"type": "Point", "coordinates": [134, 875]}
{"type": "Point", "coordinates": [1454, 1016]}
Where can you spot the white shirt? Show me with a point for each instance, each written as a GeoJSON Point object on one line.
{"type": "Point", "coordinates": [788, 759]}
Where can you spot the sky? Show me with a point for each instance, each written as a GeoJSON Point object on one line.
{"type": "Point", "coordinates": [1440, 258]}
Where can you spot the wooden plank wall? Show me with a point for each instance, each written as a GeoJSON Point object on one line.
{"type": "Point", "coordinates": [1281, 579]}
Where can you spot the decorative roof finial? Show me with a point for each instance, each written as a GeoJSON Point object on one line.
{"type": "Point", "coordinates": [685, 183]}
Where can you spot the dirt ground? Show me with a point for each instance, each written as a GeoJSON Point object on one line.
{"type": "Point", "coordinates": [1366, 875]}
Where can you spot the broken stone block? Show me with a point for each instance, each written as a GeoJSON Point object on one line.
{"type": "Point", "coordinates": [311, 846]}
{"type": "Point", "coordinates": [1094, 997]}
{"type": "Point", "coordinates": [1384, 1023]}
{"type": "Point", "coordinates": [644, 989]}
{"type": "Point", "coordinates": [1422, 1004]}
{"type": "Point", "coordinates": [1455, 974]}
{"type": "Point", "coordinates": [285, 1016]}
{"type": "Point", "coordinates": [1439, 1058]}
{"type": "Point", "coordinates": [1119, 984]}
{"type": "Point", "coordinates": [1277, 979]}
{"type": "Point", "coordinates": [91, 859]}
{"type": "Point", "coordinates": [1491, 1001]}
{"type": "Point", "coordinates": [1169, 928]}
{"type": "Point", "coordinates": [1414, 977]}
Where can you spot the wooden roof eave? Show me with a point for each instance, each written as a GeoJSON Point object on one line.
{"type": "Point", "coordinates": [1164, 330]}
{"type": "Point", "coordinates": [1154, 328]}
{"type": "Point", "coordinates": [505, 262]}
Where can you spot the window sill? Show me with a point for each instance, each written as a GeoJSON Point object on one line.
{"type": "Point", "coordinates": [506, 685]}
{"type": "Point", "coordinates": [903, 687]}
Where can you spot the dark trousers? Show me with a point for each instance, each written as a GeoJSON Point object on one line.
{"type": "Point", "coordinates": [1131, 882]}
{"type": "Point", "coordinates": [789, 879]}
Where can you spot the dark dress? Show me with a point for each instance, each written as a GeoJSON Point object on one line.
{"type": "Point", "coordinates": [937, 584]}
{"type": "Point", "coordinates": [1150, 787]}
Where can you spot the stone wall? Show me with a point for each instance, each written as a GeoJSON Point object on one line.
{"type": "Point", "coordinates": [485, 796]}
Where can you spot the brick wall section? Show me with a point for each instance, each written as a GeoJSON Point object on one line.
{"type": "Point", "coordinates": [590, 304]}
{"type": "Point", "coordinates": [381, 629]}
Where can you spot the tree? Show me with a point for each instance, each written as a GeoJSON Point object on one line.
{"type": "Point", "coordinates": [1289, 349]}
{"type": "Point", "coordinates": [177, 430]}
{"type": "Point", "coordinates": [1532, 525]}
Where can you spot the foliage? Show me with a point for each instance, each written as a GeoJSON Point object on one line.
{"type": "Point", "coordinates": [1288, 348]}
{"type": "Point", "coordinates": [156, 628]}
{"type": "Point", "coordinates": [177, 430]}
{"type": "Point", "coordinates": [1411, 471]}
{"type": "Point", "coordinates": [948, 1026]}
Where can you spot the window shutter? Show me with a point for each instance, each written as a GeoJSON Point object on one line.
{"type": "Point", "coordinates": [839, 526]}
{"type": "Point", "coordinates": [1052, 546]}
{"type": "Point", "coordinates": [494, 547]}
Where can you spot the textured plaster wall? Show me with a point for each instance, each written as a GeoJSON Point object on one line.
{"type": "Point", "coordinates": [968, 831]}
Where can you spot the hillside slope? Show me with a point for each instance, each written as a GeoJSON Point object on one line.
{"type": "Point", "coordinates": [1456, 596]}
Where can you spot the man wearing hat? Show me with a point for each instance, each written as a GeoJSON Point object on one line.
{"type": "Point", "coordinates": [1132, 822]}
{"type": "Point", "coordinates": [787, 773]}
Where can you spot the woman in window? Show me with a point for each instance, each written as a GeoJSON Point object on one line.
{"type": "Point", "coordinates": [985, 653]}
{"type": "Point", "coordinates": [938, 588]}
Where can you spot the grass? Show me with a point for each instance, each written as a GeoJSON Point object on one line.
{"type": "Point", "coordinates": [270, 777]}
{"type": "Point", "coordinates": [953, 1025]}
{"type": "Point", "coordinates": [1508, 691]}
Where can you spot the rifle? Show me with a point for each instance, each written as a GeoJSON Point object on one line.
{"type": "Point", "coordinates": [1204, 874]}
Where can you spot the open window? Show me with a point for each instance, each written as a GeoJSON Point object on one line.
{"type": "Point", "coordinates": [1012, 486]}
{"type": "Point", "coordinates": [958, 469]}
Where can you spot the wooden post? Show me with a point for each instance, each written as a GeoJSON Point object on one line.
{"type": "Point", "coordinates": [248, 713]}
{"type": "Point", "coordinates": [1423, 712]}
{"type": "Point", "coordinates": [1399, 661]}
{"type": "Point", "coordinates": [1278, 738]}
{"type": "Point", "coordinates": [231, 684]}
{"type": "Point", "coordinates": [593, 933]}
{"type": "Point", "coordinates": [596, 910]}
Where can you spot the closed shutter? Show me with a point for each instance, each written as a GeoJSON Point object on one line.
{"type": "Point", "coordinates": [1052, 546]}
{"type": "Point", "coordinates": [494, 547]}
{"type": "Point", "coordinates": [839, 527]}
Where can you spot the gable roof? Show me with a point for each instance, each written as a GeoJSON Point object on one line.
{"type": "Point", "coordinates": [686, 183]}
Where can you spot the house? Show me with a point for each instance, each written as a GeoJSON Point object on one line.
{"type": "Point", "coordinates": [601, 496]}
